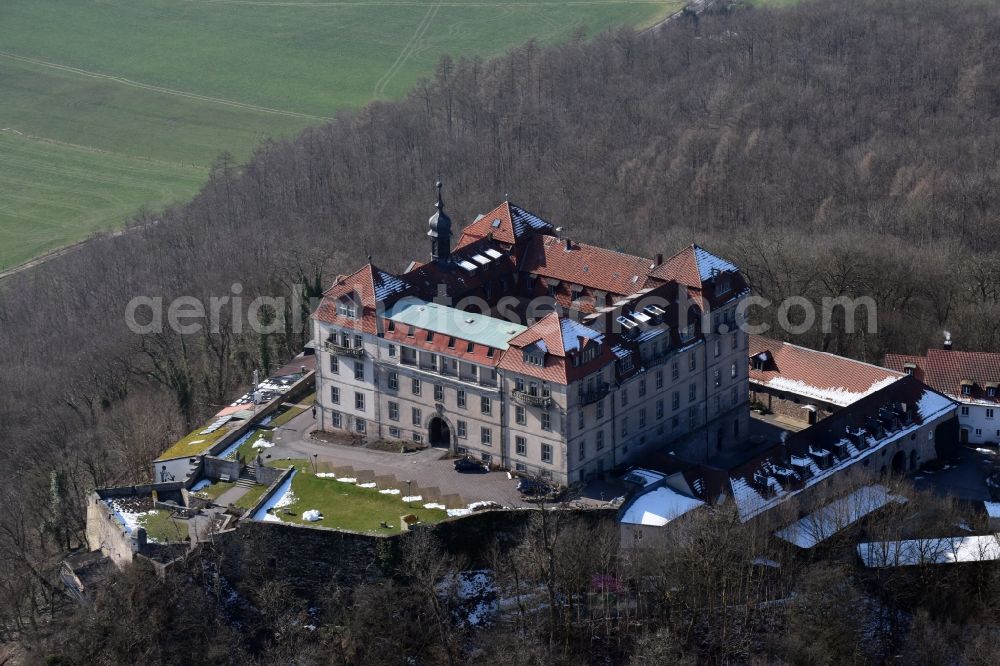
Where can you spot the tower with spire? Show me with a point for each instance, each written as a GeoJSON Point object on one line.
{"type": "Point", "coordinates": [440, 231]}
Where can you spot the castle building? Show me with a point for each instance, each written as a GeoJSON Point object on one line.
{"type": "Point", "coordinates": [536, 353]}
{"type": "Point", "coordinates": [971, 379]}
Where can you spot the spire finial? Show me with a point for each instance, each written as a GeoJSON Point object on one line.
{"type": "Point", "coordinates": [369, 258]}
{"type": "Point", "coordinates": [440, 204]}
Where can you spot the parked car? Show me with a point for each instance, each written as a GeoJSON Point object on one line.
{"type": "Point", "coordinates": [532, 487]}
{"type": "Point", "coordinates": [468, 465]}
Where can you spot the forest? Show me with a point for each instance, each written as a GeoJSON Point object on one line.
{"type": "Point", "coordinates": [830, 149]}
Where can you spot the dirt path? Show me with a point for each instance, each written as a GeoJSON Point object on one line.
{"type": "Point", "coordinates": [159, 89]}
{"type": "Point", "coordinates": [407, 51]}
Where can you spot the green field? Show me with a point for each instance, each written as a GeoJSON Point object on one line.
{"type": "Point", "coordinates": [108, 105]}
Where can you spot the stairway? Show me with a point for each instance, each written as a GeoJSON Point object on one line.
{"type": "Point", "coordinates": [248, 477]}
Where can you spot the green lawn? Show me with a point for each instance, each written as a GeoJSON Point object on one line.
{"type": "Point", "coordinates": [161, 528]}
{"type": "Point", "coordinates": [149, 92]}
{"type": "Point", "coordinates": [248, 500]}
{"type": "Point", "coordinates": [194, 443]}
{"type": "Point", "coordinates": [347, 506]}
{"type": "Point", "coordinates": [213, 491]}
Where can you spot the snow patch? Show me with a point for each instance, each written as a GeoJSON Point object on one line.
{"type": "Point", "coordinates": [201, 485]}
{"type": "Point", "coordinates": [659, 507]}
{"type": "Point", "coordinates": [412, 498]}
{"type": "Point", "coordinates": [435, 505]}
{"type": "Point", "coordinates": [311, 516]}
{"type": "Point", "coordinates": [389, 491]}
{"type": "Point", "coordinates": [836, 395]}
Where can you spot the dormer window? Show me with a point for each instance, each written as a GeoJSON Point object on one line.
{"type": "Point", "coordinates": [451, 342]}
{"type": "Point", "coordinates": [390, 325]}
{"type": "Point", "coordinates": [909, 368]}
{"type": "Point", "coordinates": [346, 308]}
{"type": "Point", "coordinates": [489, 352]}
{"type": "Point", "coordinates": [534, 358]}
{"type": "Point", "coordinates": [991, 391]}
{"type": "Point", "coordinates": [410, 331]}
{"type": "Point", "coordinates": [722, 284]}
{"type": "Point", "coordinates": [967, 386]}
{"type": "Point", "coordinates": [430, 336]}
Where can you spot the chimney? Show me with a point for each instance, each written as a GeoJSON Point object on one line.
{"type": "Point", "coordinates": [947, 341]}
{"type": "Point", "coordinates": [569, 245]}
{"type": "Point", "coordinates": [659, 259]}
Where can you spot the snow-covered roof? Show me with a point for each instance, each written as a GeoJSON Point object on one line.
{"type": "Point", "coordinates": [644, 477]}
{"type": "Point", "coordinates": [992, 509]}
{"type": "Point", "coordinates": [837, 395]}
{"type": "Point", "coordinates": [573, 330]}
{"type": "Point", "coordinates": [709, 264]}
{"type": "Point", "coordinates": [784, 471]}
{"type": "Point", "coordinates": [658, 507]}
{"type": "Point", "coordinates": [836, 516]}
{"type": "Point", "coordinates": [947, 550]}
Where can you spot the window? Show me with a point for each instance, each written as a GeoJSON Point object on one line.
{"type": "Point", "coordinates": [489, 352]}
{"type": "Point", "coordinates": [334, 365]}
{"type": "Point", "coordinates": [417, 437]}
{"type": "Point", "coordinates": [451, 342]}
{"type": "Point", "coordinates": [345, 339]}
{"type": "Point", "coordinates": [485, 405]}
{"type": "Point", "coordinates": [486, 434]}
{"type": "Point", "coordinates": [692, 417]}
{"type": "Point", "coordinates": [579, 420]}
{"type": "Point", "coordinates": [546, 391]}
{"type": "Point", "coordinates": [486, 458]}
{"type": "Point", "coordinates": [546, 421]}
{"type": "Point", "coordinates": [533, 388]}
{"type": "Point", "coordinates": [430, 336]}
{"type": "Point", "coordinates": [336, 419]}
{"type": "Point", "coordinates": [533, 358]}
{"type": "Point", "coordinates": [520, 467]}
{"type": "Point", "coordinates": [409, 331]}
{"type": "Point", "coordinates": [393, 432]}
{"type": "Point", "coordinates": [734, 371]}
{"type": "Point", "coordinates": [471, 347]}
{"type": "Point", "coordinates": [675, 401]}
{"type": "Point", "coordinates": [642, 387]}
{"type": "Point", "coordinates": [417, 416]}
{"type": "Point", "coordinates": [692, 392]}
{"type": "Point", "coordinates": [979, 432]}
{"type": "Point", "coordinates": [393, 411]}
{"type": "Point", "coordinates": [734, 396]}
{"type": "Point", "coordinates": [393, 381]}
{"type": "Point", "coordinates": [659, 409]}
{"type": "Point", "coordinates": [692, 362]}
{"type": "Point", "coordinates": [659, 379]}
{"type": "Point", "coordinates": [582, 452]}
{"type": "Point", "coordinates": [392, 351]}
{"type": "Point", "coordinates": [519, 415]}
{"type": "Point", "coordinates": [359, 370]}
{"type": "Point", "coordinates": [546, 453]}
{"type": "Point", "coordinates": [346, 308]}
{"type": "Point", "coordinates": [335, 395]}
{"type": "Point", "coordinates": [675, 421]}
{"type": "Point", "coordinates": [718, 348]}
{"type": "Point", "coordinates": [390, 325]}
{"type": "Point", "coordinates": [624, 395]}
{"type": "Point", "coordinates": [415, 386]}
{"type": "Point", "coordinates": [966, 389]}
{"type": "Point", "coordinates": [519, 384]}
{"type": "Point", "coordinates": [358, 343]}
{"type": "Point", "coordinates": [989, 413]}
{"type": "Point", "coordinates": [736, 341]}
{"type": "Point", "coordinates": [991, 391]}
{"type": "Point", "coordinates": [438, 392]}
{"type": "Point", "coordinates": [642, 417]}
{"type": "Point", "coordinates": [600, 440]}
{"type": "Point", "coordinates": [624, 426]}
{"type": "Point", "coordinates": [462, 429]}
{"type": "Point", "coordinates": [674, 372]}
{"type": "Point", "coordinates": [520, 446]}
{"type": "Point", "coordinates": [460, 397]}
{"type": "Point", "coordinates": [359, 401]}
{"type": "Point", "coordinates": [359, 424]}
{"type": "Point", "coordinates": [965, 411]}
{"type": "Point", "coordinates": [717, 378]}
{"type": "Point", "coordinates": [600, 410]}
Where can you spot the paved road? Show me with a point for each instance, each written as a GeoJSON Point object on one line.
{"type": "Point", "coordinates": [965, 480]}
{"type": "Point", "coordinates": [427, 468]}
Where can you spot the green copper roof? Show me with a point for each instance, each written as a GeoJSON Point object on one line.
{"type": "Point", "coordinates": [469, 326]}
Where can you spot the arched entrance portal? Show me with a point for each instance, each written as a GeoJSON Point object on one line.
{"type": "Point", "coordinates": [899, 462]}
{"type": "Point", "coordinates": [439, 434]}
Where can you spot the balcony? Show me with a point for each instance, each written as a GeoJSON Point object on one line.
{"type": "Point", "coordinates": [339, 350]}
{"type": "Point", "coordinates": [525, 398]}
{"type": "Point", "coordinates": [596, 394]}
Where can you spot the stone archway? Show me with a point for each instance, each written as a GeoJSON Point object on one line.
{"type": "Point", "coordinates": [439, 433]}
{"type": "Point", "coordinates": [899, 463]}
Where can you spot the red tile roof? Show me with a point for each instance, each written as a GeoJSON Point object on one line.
{"type": "Point", "coordinates": [372, 285]}
{"type": "Point", "coordinates": [814, 374]}
{"type": "Point", "coordinates": [506, 223]}
{"type": "Point", "coordinates": [945, 370]}
{"type": "Point", "coordinates": [553, 333]}
{"type": "Point", "coordinates": [586, 265]}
